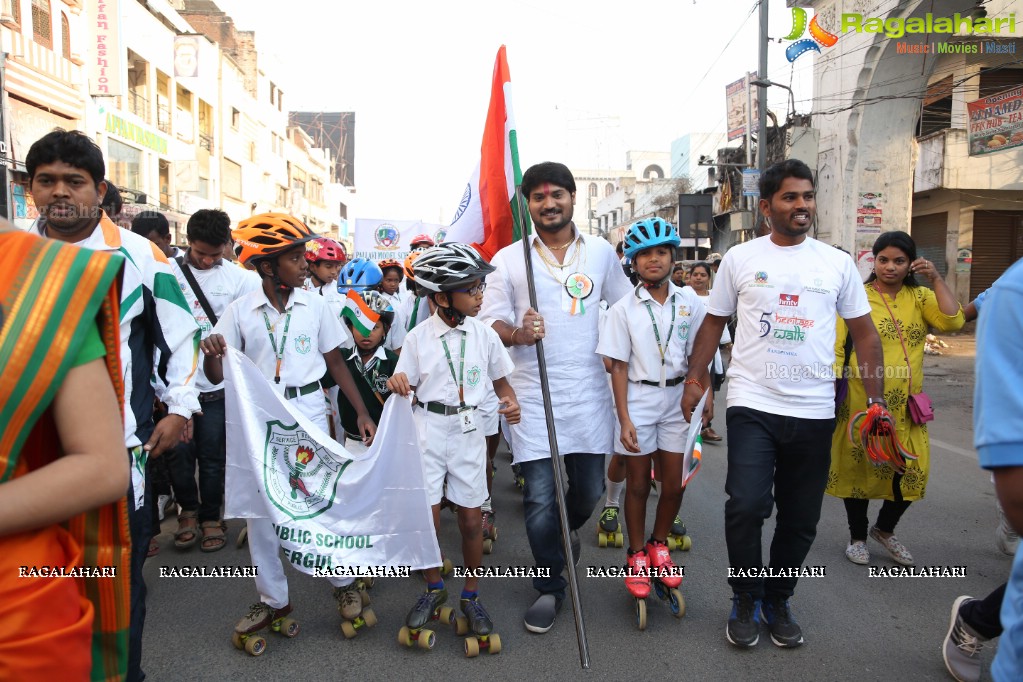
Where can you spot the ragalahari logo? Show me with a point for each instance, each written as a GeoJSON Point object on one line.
{"type": "Point", "coordinates": [818, 36]}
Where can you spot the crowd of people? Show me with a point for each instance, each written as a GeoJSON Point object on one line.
{"type": "Point", "coordinates": [114, 399]}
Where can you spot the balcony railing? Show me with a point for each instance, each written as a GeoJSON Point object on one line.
{"type": "Point", "coordinates": [138, 105]}
{"type": "Point", "coordinates": [206, 142]}
{"type": "Point", "coordinates": [163, 118]}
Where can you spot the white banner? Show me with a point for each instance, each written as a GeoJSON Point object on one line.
{"type": "Point", "coordinates": [379, 239]}
{"type": "Point", "coordinates": [331, 508]}
{"type": "Point", "coordinates": [105, 79]}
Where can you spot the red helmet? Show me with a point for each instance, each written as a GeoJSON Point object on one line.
{"type": "Point", "coordinates": [421, 239]}
{"type": "Point", "coordinates": [325, 248]}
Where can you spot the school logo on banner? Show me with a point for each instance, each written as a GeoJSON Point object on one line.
{"type": "Point", "coordinates": [387, 237]}
{"type": "Point", "coordinates": [299, 476]}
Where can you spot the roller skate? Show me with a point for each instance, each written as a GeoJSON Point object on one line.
{"type": "Point", "coordinates": [477, 621]}
{"type": "Point", "coordinates": [489, 532]}
{"type": "Point", "coordinates": [677, 537]}
{"type": "Point", "coordinates": [445, 568]}
{"type": "Point", "coordinates": [262, 616]}
{"type": "Point", "coordinates": [520, 480]}
{"type": "Point", "coordinates": [351, 602]}
{"type": "Point", "coordinates": [429, 606]}
{"type": "Point", "coordinates": [637, 581]}
{"type": "Point", "coordinates": [609, 532]}
{"type": "Point", "coordinates": [665, 580]}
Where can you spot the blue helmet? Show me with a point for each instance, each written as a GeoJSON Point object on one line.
{"type": "Point", "coordinates": [359, 274]}
{"type": "Point", "coordinates": [643, 234]}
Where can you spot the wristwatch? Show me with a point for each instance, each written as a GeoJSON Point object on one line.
{"type": "Point", "coordinates": [877, 401]}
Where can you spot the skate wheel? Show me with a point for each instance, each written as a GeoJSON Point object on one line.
{"type": "Point", "coordinates": [427, 639]}
{"type": "Point", "coordinates": [495, 644]}
{"type": "Point", "coordinates": [488, 546]}
{"type": "Point", "coordinates": [242, 536]}
{"type": "Point", "coordinates": [347, 629]}
{"type": "Point", "coordinates": [364, 596]}
{"type": "Point", "coordinates": [472, 647]}
{"type": "Point", "coordinates": [447, 567]}
{"type": "Point", "coordinates": [601, 540]}
{"type": "Point", "coordinates": [461, 625]}
{"type": "Point", "coordinates": [236, 639]}
{"type": "Point", "coordinates": [369, 617]}
{"type": "Point", "coordinates": [678, 604]}
{"type": "Point", "coordinates": [255, 646]}
{"type": "Point", "coordinates": [493, 534]}
{"type": "Point", "coordinates": [446, 615]}
{"type": "Point", "coordinates": [671, 544]}
{"type": "Point", "coordinates": [619, 540]}
{"type": "Point", "coordinates": [404, 636]}
{"type": "Point", "coordinates": [367, 582]}
{"type": "Point", "coordinates": [641, 614]}
{"type": "Point", "coordinates": [686, 544]}
{"type": "Point", "coordinates": [289, 627]}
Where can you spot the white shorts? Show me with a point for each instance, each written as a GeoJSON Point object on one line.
{"type": "Point", "coordinates": [452, 456]}
{"type": "Point", "coordinates": [657, 415]}
{"type": "Point", "coordinates": [486, 415]}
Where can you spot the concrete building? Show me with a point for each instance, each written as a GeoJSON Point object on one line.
{"type": "Point", "coordinates": [894, 130]}
{"type": "Point", "coordinates": [685, 156]}
{"type": "Point", "coordinates": [309, 174]}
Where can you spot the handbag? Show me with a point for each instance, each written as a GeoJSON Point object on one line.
{"type": "Point", "coordinates": [919, 405]}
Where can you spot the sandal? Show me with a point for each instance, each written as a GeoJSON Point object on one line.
{"type": "Point", "coordinates": [710, 436]}
{"type": "Point", "coordinates": [212, 533]}
{"type": "Point", "coordinates": [186, 529]}
{"type": "Point", "coordinates": [154, 548]}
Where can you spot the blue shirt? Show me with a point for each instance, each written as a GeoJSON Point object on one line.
{"type": "Point", "coordinates": [998, 434]}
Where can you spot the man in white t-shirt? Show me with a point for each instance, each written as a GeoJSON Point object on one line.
{"type": "Point", "coordinates": [787, 290]}
{"type": "Point", "coordinates": [572, 272]}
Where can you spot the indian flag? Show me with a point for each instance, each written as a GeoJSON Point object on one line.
{"type": "Point", "coordinates": [488, 215]}
{"type": "Point", "coordinates": [359, 314]}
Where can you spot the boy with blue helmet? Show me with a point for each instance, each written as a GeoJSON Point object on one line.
{"type": "Point", "coordinates": [648, 337]}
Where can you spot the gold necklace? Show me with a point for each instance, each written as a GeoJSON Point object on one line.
{"type": "Point", "coordinates": [563, 246]}
{"type": "Point", "coordinates": [550, 265]}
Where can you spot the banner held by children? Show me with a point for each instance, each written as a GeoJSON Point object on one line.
{"type": "Point", "coordinates": [331, 509]}
{"type": "Point", "coordinates": [359, 314]}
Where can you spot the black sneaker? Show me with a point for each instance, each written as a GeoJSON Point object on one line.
{"type": "Point", "coordinates": [743, 628]}
{"type": "Point", "coordinates": [540, 616]}
{"type": "Point", "coordinates": [785, 631]}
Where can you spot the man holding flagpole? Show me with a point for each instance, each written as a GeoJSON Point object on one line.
{"type": "Point", "coordinates": [573, 273]}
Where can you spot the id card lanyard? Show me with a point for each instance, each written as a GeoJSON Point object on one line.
{"type": "Point", "coordinates": [461, 367]}
{"type": "Point", "coordinates": [662, 349]}
{"type": "Point", "coordinates": [278, 352]}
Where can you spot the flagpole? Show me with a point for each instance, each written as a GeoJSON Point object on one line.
{"type": "Point", "coordinates": [559, 483]}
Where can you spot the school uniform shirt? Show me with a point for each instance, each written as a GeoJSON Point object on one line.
{"type": "Point", "coordinates": [423, 360]}
{"type": "Point", "coordinates": [414, 311]}
{"type": "Point", "coordinates": [312, 331]}
{"type": "Point", "coordinates": [787, 299]}
{"type": "Point", "coordinates": [629, 334]}
{"type": "Point", "coordinates": [221, 284]}
{"type": "Point", "coordinates": [159, 336]}
{"type": "Point", "coordinates": [578, 382]}
{"type": "Point", "coordinates": [396, 335]}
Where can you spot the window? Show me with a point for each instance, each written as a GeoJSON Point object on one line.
{"type": "Point", "coordinates": [65, 36]}
{"type": "Point", "coordinates": [124, 165]}
{"type": "Point", "coordinates": [282, 196]}
{"type": "Point", "coordinates": [609, 189]}
{"type": "Point", "coordinates": [15, 10]}
{"type": "Point", "coordinates": [936, 109]}
{"type": "Point", "coordinates": [593, 189]}
{"type": "Point", "coordinates": [41, 30]}
{"type": "Point", "coordinates": [236, 118]}
{"type": "Point", "coordinates": [273, 93]}
{"type": "Point", "coordinates": [231, 181]}
{"type": "Point", "coordinates": [204, 188]}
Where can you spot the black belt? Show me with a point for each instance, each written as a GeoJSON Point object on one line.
{"type": "Point", "coordinates": [211, 396]}
{"type": "Point", "coordinates": [292, 392]}
{"type": "Point", "coordinates": [440, 408]}
{"type": "Point", "coordinates": [352, 436]}
{"type": "Point", "coordinates": [667, 382]}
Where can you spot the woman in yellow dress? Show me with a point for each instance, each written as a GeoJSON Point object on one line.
{"type": "Point", "coordinates": [902, 311]}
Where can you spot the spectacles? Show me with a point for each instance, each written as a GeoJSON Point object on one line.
{"type": "Point", "coordinates": [473, 291]}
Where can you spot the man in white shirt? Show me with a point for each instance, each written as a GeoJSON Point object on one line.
{"type": "Point", "coordinates": [201, 271]}
{"type": "Point", "coordinates": [572, 273]}
{"type": "Point", "coordinates": [787, 290]}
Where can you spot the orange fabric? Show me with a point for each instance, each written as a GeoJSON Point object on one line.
{"type": "Point", "coordinates": [47, 633]}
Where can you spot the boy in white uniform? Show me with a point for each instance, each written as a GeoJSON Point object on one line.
{"type": "Point", "coordinates": [293, 337]}
{"type": "Point", "coordinates": [648, 337]}
{"type": "Point", "coordinates": [448, 360]}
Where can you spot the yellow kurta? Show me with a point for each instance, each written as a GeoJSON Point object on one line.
{"type": "Point", "coordinates": [852, 473]}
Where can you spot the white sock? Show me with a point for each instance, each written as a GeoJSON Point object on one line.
{"type": "Point", "coordinates": [486, 506]}
{"type": "Point", "coordinates": [614, 492]}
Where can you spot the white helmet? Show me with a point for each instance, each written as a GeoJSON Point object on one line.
{"type": "Point", "coordinates": [448, 266]}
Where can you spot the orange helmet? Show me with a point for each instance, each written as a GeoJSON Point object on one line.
{"type": "Point", "coordinates": [391, 263]}
{"type": "Point", "coordinates": [268, 234]}
{"type": "Point", "coordinates": [408, 264]}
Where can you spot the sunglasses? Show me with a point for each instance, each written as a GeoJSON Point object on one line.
{"type": "Point", "coordinates": [473, 291]}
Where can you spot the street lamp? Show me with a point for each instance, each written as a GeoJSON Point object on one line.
{"type": "Point", "coordinates": [766, 83]}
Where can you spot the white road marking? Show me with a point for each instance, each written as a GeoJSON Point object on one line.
{"type": "Point", "coordinates": [970, 454]}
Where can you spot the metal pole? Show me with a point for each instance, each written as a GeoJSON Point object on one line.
{"type": "Point", "coordinates": [552, 439]}
{"type": "Point", "coordinates": [762, 92]}
{"type": "Point", "coordinates": [748, 201]}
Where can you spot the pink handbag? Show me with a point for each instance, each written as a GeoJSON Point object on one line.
{"type": "Point", "coordinates": [921, 409]}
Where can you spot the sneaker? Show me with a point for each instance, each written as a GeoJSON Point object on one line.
{"type": "Point", "coordinates": [898, 550]}
{"type": "Point", "coordinates": [1007, 538]}
{"type": "Point", "coordinates": [785, 631]}
{"type": "Point", "coordinates": [743, 629]}
{"type": "Point", "coordinates": [163, 504]}
{"type": "Point", "coordinates": [540, 616]}
{"type": "Point", "coordinates": [961, 648]}
{"type": "Point", "coordinates": [349, 601]}
{"type": "Point", "coordinates": [858, 553]}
